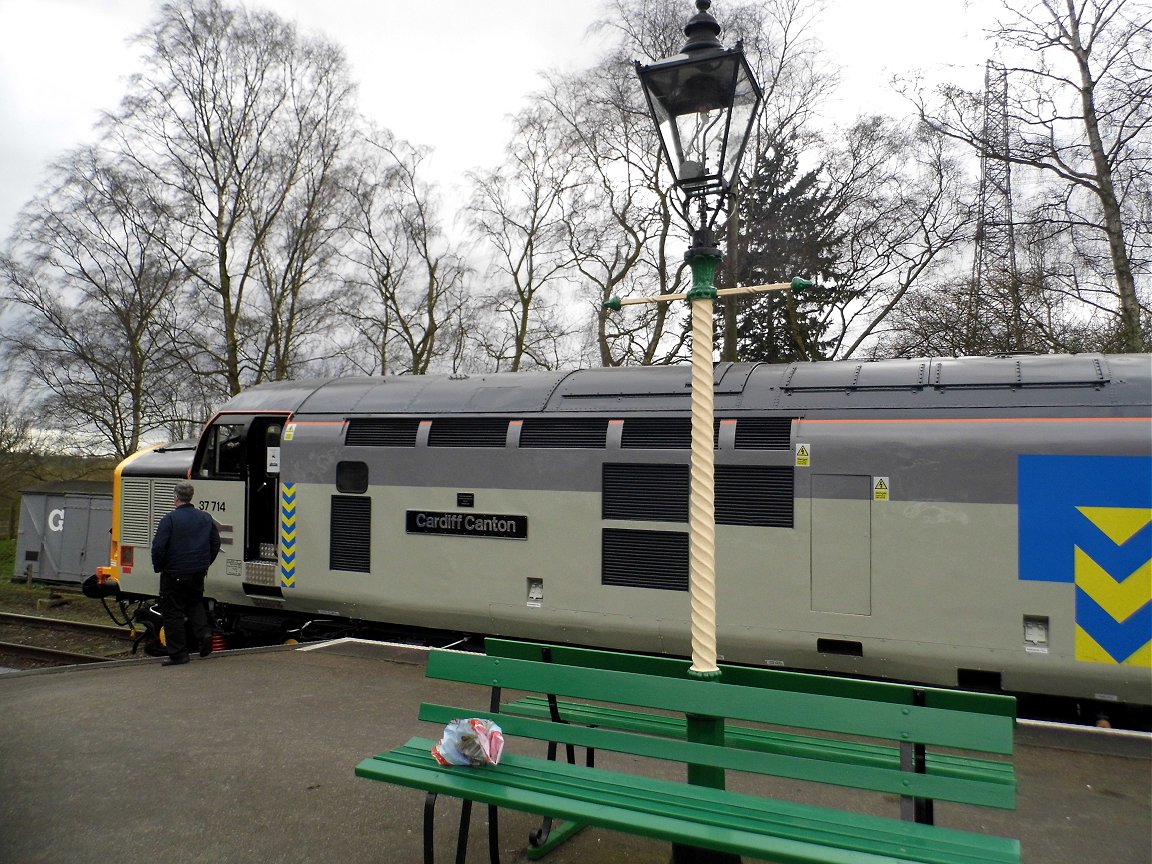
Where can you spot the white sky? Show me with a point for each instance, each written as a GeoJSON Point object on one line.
{"type": "Point", "coordinates": [63, 61]}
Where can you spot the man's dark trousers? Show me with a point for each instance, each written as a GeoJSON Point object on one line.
{"type": "Point", "coordinates": [182, 603]}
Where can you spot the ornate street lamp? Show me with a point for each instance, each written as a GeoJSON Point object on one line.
{"type": "Point", "coordinates": [703, 102]}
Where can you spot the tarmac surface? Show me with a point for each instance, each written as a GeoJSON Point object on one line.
{"type": "Point", "coordinates": [247, 757]}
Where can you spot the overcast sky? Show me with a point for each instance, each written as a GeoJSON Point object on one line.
{"type": "Point", "coordinates": [441, 73]}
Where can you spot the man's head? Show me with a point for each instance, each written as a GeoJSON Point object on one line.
{"type": "Point", "coordinates": [183, 491]}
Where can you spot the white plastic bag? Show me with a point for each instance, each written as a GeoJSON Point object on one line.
{"type": "Point", "coordinates": [470, 742]}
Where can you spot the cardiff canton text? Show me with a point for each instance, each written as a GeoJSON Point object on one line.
{"type": "Point", "coordinates": [466, 524]}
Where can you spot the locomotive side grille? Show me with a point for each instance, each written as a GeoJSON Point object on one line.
{"type": "Point", "coordinates": [143, 502]}
{"type": "Point", "coordinates": [657, 433]}
{"type": "Point", "coordinates": [760, 495]}
{"type": "Point", "coordinates": [136, 511]}
{"type": "Point", "coordinates": [351, 527]}
{"type": "Point", "coordinates": [657, 493]}
{"type": "Point", "coordinates": [644, 559]}
{"type": "Point", "coordinates": [764, 433]}
{"type": "Point", "coordinates": [381, 432]}
{"type": "Point", "coordinates": [583, 432]}
{"type": "Point", "coordinates": [468, 432]}
{"type": "Point", "coordinates": [755, 495]}
{"type": "Point", "coordinates": [661, 433]}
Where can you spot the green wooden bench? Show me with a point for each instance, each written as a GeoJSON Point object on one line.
{"type": "Point", "coordinates": [703, 816]}
{"type": "Point", "coordinates": [908, 756]}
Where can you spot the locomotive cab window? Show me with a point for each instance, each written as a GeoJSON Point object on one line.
{"type": "Point", "coordinates": [223, 454]}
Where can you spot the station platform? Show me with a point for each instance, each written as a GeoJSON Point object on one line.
{"type": "Point", "coordinates": [247, 757]}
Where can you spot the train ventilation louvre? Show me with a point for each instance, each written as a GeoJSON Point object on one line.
{"type": "Point", "coordinates": [143, 504]}
{"type": "Point", "coordinates": [468, 432]}
{"type": "Point", "coordinates": [644, 559]}
{"type": "Point", "coordinates": [351, 534]}
{"type": "Point", "coordinates": [657, 493]}
{"type": "Point", "coordinates": [750, 495]}
{"type": "Point", "coordinates": [755, 495]}
{"type": "Point", "coordinates": [381, 432]}
{"type": "Point", "coordinates": [576, 432]}
{"type": "Point", "coordinates": [661, 433]}
{"type": "Point", "coordinates": [764, 433]}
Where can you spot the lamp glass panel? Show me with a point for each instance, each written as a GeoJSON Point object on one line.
{"type": "Point", "coordinates": [690, 101]}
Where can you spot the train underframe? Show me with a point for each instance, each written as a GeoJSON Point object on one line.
{"type": "Point", "coordinates": [242, 627]}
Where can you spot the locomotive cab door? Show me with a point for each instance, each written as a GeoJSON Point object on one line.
{"type": "Point", "coordinates": [263, 488]}
{"type": "Point", "coordinates": [246, 448]}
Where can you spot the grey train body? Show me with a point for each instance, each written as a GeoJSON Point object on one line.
{"type": "Point", "coordinates": [958, 522]}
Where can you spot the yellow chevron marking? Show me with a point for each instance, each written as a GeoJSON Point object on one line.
{"type": "Point", "coordinates": [1088, 650]}
{"type": "Point", "coordinates": [1143, 657]}
{"type": "Point", "coordinates": [1118, 599]}
{"type": "Point", "coordinates": [1119, 523]}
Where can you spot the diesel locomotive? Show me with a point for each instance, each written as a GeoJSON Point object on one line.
{"type": "Point", "coordinates": [977, 522]}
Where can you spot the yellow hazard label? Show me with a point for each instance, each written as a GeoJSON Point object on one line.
{"type": "Point", "coordinates": [803, 456]}
{"type": "Point", "coordinates": [289, 431]}
{"type": "Point", "coordinates": [880, 489]}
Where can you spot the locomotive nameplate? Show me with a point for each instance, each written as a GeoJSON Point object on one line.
{"type": "Point", "coordinates": [466, 524]}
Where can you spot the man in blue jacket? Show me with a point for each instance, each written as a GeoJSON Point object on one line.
{"type": "Point", "coordinates": [187, 541]}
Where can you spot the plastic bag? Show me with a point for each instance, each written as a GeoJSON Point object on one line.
{"type": "Point", "coordinates": [470, 742]}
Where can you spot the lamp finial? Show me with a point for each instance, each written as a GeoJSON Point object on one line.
{"type": "Point", "coordinates": [702, 30]}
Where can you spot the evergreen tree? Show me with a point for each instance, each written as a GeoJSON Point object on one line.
{"type": "Point", "coordinates": [787, 228]}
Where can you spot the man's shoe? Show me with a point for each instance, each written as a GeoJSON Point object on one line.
{"type": "Point", "coordinates": [175, 661]}
{"type": "Point", "coordinates": [206, 646]}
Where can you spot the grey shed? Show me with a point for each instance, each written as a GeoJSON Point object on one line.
{"type": "Point", "coordinates": [65, 531]}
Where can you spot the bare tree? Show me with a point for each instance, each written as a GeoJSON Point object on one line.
{"type": "Point", "coordinates": [1080, 106]}
{"type": "Point", "coordinates": [96, 294]}
{"type": "Point", "coordinates": [407, 302]}
{"type": "Point", "coordinates": [238, 122]}
{"type": "Point", "coordinates": [904, 211]}
{"type": "Point", "coordinates": [21, 453]}
{"type": "Point", "coordinates": [621, 223]}
{"type": "Point", "coordinates": [517, 211]}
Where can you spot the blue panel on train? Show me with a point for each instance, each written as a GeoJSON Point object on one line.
{"type": "Point", "coordinates": [1087, 520]}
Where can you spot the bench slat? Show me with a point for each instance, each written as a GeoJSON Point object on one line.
{"type": "Point", "coordinates": [803, 710]}
{"type": "Point", "coordinates": [880, 779]}
{"type": "Point", "coordinates": [743, 824]}
{"type": "Point", "coordinates": [765, 740]}
{"type": "Point", "coordinates": [748, 676]}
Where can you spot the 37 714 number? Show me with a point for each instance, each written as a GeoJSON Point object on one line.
{"type": "Point", "coordinates": [211, 506]}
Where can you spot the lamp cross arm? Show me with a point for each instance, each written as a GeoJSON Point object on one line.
{"type": "Point", "coordinates": [797, 284]}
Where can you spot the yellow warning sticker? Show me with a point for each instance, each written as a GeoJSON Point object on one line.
{"type": "Point", "coordinates": [803, 456]}
{"type": "Point", "coordinates": [290, 432]}
{"type": "Point", "coordinates": [880, 489]}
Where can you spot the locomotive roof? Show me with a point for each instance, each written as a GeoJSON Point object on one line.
{"type": "Point", "coordinates": [973, 382]}
{"type": "Point", "coordinates": [168, 460]}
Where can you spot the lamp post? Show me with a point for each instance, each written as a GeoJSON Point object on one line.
{"type": "Point", "coordinates": [703, 103]}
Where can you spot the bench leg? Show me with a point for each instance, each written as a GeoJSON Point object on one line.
{"type": "Point", "coordinates": [429, 827]}
{"type": "Point", "coordinates": [546, 838]}
{"type": "Point", "coordinates": [493, 834]}
{"type": "Point", "coordinates": [462, 834]}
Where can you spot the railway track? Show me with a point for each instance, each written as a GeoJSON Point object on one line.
{"type": "Point", "coordinates": [56, 656]}
{"type": "Point", "coordinates": [64, 624]}
{"type": "Point", "coordinates": [29, 641]}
